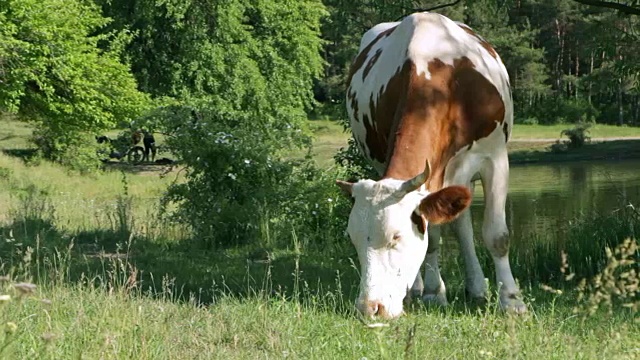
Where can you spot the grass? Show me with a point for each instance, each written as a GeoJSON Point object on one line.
{"type": "Point", "coordinates": [115, 280]}
{"type": "Point", "coordinates": [111, 323]}
{"type": "Point", "coordinates": [14, 134]}
{"type": "Point", "coordinates": [329, 137]}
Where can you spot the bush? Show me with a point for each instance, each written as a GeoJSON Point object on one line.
{"type": "Point", "coordinates": [529, 121]}
{"type": "Point", "coordinates": [77, 151]}
{"type": "Point", "coordinates": [577, 135]}
{"type": "Point", "coordinates": [242, 189]}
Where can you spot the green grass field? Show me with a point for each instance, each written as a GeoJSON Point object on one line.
{"type": "Point", "coordinates": [117, 281]}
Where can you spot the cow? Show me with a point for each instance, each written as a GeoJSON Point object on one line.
{"type": "Point", "coordinates": [430, 106]}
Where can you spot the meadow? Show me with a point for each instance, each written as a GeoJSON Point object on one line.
{"type": "Point", "coordinates": [115, 279]}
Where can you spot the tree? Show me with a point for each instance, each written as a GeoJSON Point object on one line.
{"type": "Point", "coordinates": [239, 74]}
{"type": "Point", "coordinates": [55, 74]}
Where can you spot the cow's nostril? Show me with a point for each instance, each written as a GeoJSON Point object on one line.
{"type": "Point", "coordinates": [376, 308]}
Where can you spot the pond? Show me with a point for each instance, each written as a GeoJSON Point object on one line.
{"type": "Point", "coordinates": [544, 198]}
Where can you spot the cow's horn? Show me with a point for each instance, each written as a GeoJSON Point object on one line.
{"type": "Point", "coordinates": [413, 184]}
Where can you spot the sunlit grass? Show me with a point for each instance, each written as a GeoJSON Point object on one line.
{"type": "Point", "coordinates": [14, 134]}
{"type": "Point", "coordinates": [112, 315]}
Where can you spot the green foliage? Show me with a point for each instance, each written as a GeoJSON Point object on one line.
{"type": "Point", "coordinates": [232, 51]}
{"type": "Point", "coordinates": [355, 164]}
{"type": "Point", "coordinates": [57, 73]}
{"type": "Point", "coordinates": [241, 75]}
{"type": "Point", "coordinates": [557, 110]}
{"type": "Point", "coordinates": [578, 135]}
{"type": "Point", "coordinates": [241, 190]}
{"type": "Point", "coordinates": [76, 150]}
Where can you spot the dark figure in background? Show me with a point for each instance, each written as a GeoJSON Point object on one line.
{"type": "Point", "coordinates": [149, 145]}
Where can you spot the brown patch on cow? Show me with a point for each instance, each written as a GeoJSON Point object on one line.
{"type": "Point", "coordinates": [370, 63]}
{"type": "Point", "coordinates": [499, 246]}
{"type": "Point", "coordinates": [445, 205]}
{"type": "Point", "coordinates": [376, 140]}
{"type": "Point", "coordinates": [419, 221]}
{"type": "Point", "coordinates": [485, 44]}
{"type": "Point", "coordinates": [418, 118]}
{"type": "Point", "coordinates": [386, 113]}
{"type": "Point", "coordinates": [505, 130]}
{"type": "Point", "coordinates": [354, 104]}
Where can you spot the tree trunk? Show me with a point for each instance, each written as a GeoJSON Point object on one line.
{"type": "Point", "coordinates": [560, 58]}
{"type": "Point", "coordinates": [635, 109]}
{"type": "Point", "coordinates": [577, 72]}
{"type": "Point", "coordinates": [593, 54]}
{"type": "Point", "coordinates": [620, 107]}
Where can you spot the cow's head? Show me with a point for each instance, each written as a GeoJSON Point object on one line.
{"type": "Point", "coordinates": [391, 247]}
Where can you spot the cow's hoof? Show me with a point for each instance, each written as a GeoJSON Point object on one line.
{"type": "Point", "coordinates": [476, 298]}
{"type": "Point", "coordinates": [415, 293]}
{"type": "Point", "coordinates": [513, 304]}
{"type": "Point", "coordinates": [435, 299]}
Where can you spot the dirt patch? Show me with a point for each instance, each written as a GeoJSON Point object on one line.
{"type": "Point", "coordinates": [143, 168]}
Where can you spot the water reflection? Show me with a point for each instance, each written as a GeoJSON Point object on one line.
{"type": "Point", "coordinates": [543, 199]}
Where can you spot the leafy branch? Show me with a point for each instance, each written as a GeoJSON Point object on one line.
{"type": "Point", "coordinates": [631, 9]}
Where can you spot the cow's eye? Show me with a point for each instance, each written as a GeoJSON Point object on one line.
{"type": "Point", "coordinates": [394, 241]}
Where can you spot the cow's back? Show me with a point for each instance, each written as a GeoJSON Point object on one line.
{"type": "Point", "coordinates": [425, 88]}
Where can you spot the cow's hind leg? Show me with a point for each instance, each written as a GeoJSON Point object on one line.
{"type": "Point", "coordinates": [434, 288]}
{"type": "Point", "coordinates": [495, 182]}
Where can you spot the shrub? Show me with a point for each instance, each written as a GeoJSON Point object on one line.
{"type": "Point", "coordinates": [577, 135]}
{"type": "Point", "coordinates": [242, 188]}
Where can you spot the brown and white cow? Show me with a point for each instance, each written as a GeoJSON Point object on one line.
{"type": "Point", "coordinates": [427, 90]}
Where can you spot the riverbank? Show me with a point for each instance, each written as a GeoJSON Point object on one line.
{"type": "Point", "coordinates": [527, 152]}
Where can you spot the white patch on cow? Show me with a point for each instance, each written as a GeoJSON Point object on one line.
{"type": "Point", "coordinates": [388, 267]}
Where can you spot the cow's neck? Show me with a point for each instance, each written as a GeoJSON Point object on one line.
{"type": "Point", "coordinates": [415, 141]}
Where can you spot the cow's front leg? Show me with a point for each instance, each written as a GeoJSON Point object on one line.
{"type": "Point", "coordinates": [495, 182]}
{"type": "Point", "coordinates": [474, 277]}
{"type": "Point", "coordinates": [434, 288]}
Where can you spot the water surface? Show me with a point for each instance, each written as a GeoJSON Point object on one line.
{"type": "Point", "coordinates": [544, 198]}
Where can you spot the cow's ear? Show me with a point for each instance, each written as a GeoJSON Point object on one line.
{"type": "Point", "coordinates": [445, 205]}
{"type": "Point", "coordinates": [345, 186]}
